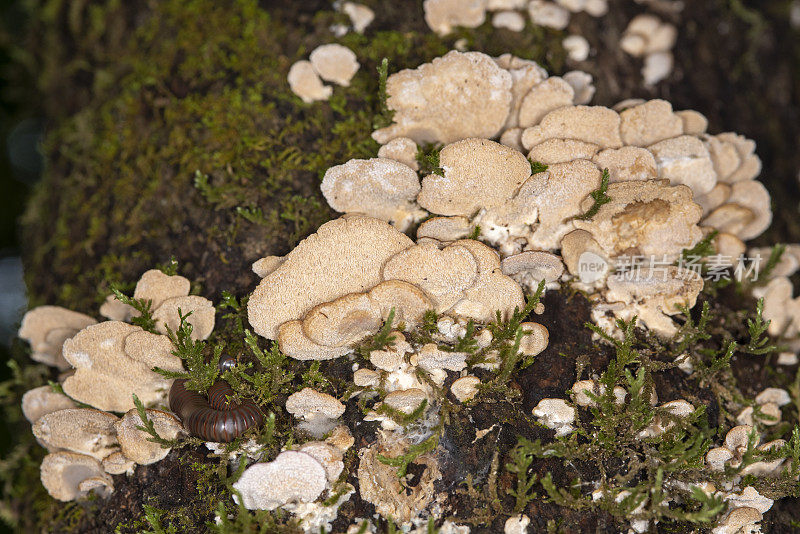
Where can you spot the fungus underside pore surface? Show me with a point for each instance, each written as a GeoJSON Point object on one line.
{"type": "Point", "coordinates": [138, 183]}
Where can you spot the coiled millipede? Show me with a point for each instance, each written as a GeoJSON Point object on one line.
{"type": "Point", "coordinates": [218, 418]}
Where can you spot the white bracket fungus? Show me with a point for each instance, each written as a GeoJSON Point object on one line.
{"type": "Point", "coordinates": [114, 360]}
{"type": "Point", "coordinates": [647, 36]}
{"type": "Point", "coordinates": [318, 411]}
{"type": "Point", "coordinates": [46, 328]}
{"type": "Point", "coordinates": [334, 63]}
{"type": "Point", "coordinates": [292, 476]}
{"type": "Point", "coordinates": [79, 430]}
{"type": "Point", "coordinates": [167, 294]}
{"type": "Point", "coordinates": [67, 476]}
{"type": "Point", "coordinates": [306, 83]}
{"type": "Point", "coordinates": [381, 188]}
{"type": "Point", "coordinates": [443, 15]}
{"type": "Point", "coordinates": [136, 444]}
{"type": "Point", "coordinates": [360, 15]}
{"type": "Point", "coordinates": [577, 47]}
{"type": "Point", "coordinates": [465, 388]}
{"type": "Point", "coordinates": [41, 401]}
{"type": "Point", "coordinates": [464, 95]}
{"type": "Point", "coordinates": [555, 414]}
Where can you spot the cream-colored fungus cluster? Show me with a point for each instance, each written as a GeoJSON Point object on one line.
{"type": "Point", "coordinates": [104, 365]}
{"type": "Point", "coordinates": [329, 62]}
{"type": "Point", "coordinates": [670, 182]}
{"type": "Point", "coordinates": [443, 16]}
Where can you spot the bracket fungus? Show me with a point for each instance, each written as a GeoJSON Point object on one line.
{"type": "Point", "coordinates": [306, 83]}
{"type": "Point", "coordinates": [381, 188]}
{"type": "Point", "coordinates": [80, 430]}
{"type": "Point", "coordinates": [46, 328]}
{"type": "Point", "coordinates": [317, 411]}
{"type": "Point", "coordinates": [647, 36]}
{"type": "Point", "coordinates": [334, 63]}
{"type": "Point", "coordinates": [443, 15]}
{"type": "Point", "coordinates": [293, 476]}
{"type": "Point", "coordinates": [136, 444]}
{"type": "Point", "coordinates": [456, 96]}
{"type": "Point", "coordinates": [67, 476]}
{"type": "Point", "coordinates": [114, 360]}
{"type": "Point", "coordinates": [556, 414]}
{"type": "Point", "coordinates": [41, 401]}
{"type": "Point", "coordinates": [168, 295]}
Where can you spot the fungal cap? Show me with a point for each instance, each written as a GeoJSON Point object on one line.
{"type": "Point", "coordinates": [405, 400]}
{"type": "Point", "coordinates": [536, 264]}
{"type": "Point", "coordinates": [46, 328]}
{"type": "Point", "coordinates": [344, 256]}
{"type": "Point", "coordinates": [445, 229]}
{"type": "Point", "coordinates": [38, 402]}
{"type": "Point", "coordinates": [114, 360]}
{"type": "Point", "coordinates": [135, 443]}
{"type": "Point", "coordinates": [442, 15]}
{"type": "Point", "coordinates": [465, 388]}
{"type": "Point", "coordinates": [478, 173]}
{"type": "Point", "coordinates": [430, 357]}
{"type": "Point", "coordinates": [777, 396]}
{"type": "Point", "coordinates": [67, 476]}
{"type": "Point", "coordinates": [292, 476]}
{"type": "Point", "coordinates": [309, 404]}
{"type": "Point", "coordinates": [366, 378]}
{"type": "Point", "coordinates": [402, 150]}
{"type": "Point", "coordinates": [327, 455]}
{"type": "Point", "coordinates": [80, 430]}
{"type": "Point", "coordinates": [334, 63]}
{"type": "Point", "coordinates": [477, 102]}
{"type": "Point", "coordinates": [117, 463]}
{"type": "Point", "coordinates": [201, 310]}
{"type": "Point", "coordinates": [306, 83]}
{"type": "Point", "coordinates": [382, 188]}
{"type": "Point", "coordinates": [738, 437]}
{"type": "Point", "coordinates": [156, 286]}
{"type": "Point", "coordinates": [534, 338]}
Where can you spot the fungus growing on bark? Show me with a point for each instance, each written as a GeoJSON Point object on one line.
{"type": "Point", "coordinates": [113, 361]}
{"type": "Point", "coordinates": [68, 476]}
{"type": "Point", "coordinates": [456, 96]}
{"type": "Point", "coordinates": [306, 83]}
{"type": "Point", "coordinates": [556, 414]}
{"type": "Point", "coordinates": [647, 36]}
{"type": "Point", "coordinates": [403, 150]}
{"type": "Point", "coordinates": [168, 295]}
{"type": "Point", "coordinates": [465, 388]}
{"type": "Point", "coordinates": [443, 15]}
{"type": "Point", "coordinates": [293, 476]}
{"type": "Point", "coordinates": [334, 63]}
{"type": "Point", "coordinates": [317, 411]}
{"type": "Point", "coordinates": [41, 401]}
{"type": "Point", "coordinates": [548, 14]}
{"type": "Point", "coordinates": [46, 328]}
{"type": "Point", "coordinates": [577, 47]}
{"type": "Point", "coordinates": [80, 430]}
{"type": "Point", "coordinates": [378, 187]}
{"type": "Point", "coordinates": [136, 444]}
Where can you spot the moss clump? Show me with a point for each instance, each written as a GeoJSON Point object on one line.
{"type": "Point", "coordinates": [189, 134]}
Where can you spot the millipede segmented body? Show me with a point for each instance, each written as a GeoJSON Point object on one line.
{"type": "Point", "coordinates": [217, 418]}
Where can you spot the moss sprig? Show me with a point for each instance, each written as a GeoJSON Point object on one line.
{"type": "Point", "coordinates": [599, 196]}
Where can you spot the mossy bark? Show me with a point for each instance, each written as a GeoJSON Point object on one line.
{"type": "Point", "coordinates": [172, 133]}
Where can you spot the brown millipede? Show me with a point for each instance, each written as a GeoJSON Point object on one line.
{"type": "Point", "coordinates": [217, 419]}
